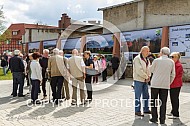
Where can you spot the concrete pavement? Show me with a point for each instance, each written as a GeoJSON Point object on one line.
{"type": "Point", "coordinates": [112, 106]}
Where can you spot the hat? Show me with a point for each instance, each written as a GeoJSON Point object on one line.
{"type": "Point", "coordinates": [95, 56]}
{"type": "Point", "coordinates": [88, 52]}
{"type": "Point", "coordinates": [16, 52]}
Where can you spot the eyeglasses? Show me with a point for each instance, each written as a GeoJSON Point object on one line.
{"type": "Point", "coordinates": [172, 57]}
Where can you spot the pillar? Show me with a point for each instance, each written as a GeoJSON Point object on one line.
{"type": "Point", "coordinates": [165, 37]}
{"type": "Point", "coordinates": [116, 46]}
{"type": "Point", "coordinates": [83, 44]}
{"type": "Point", "coordinates": [41, 47]}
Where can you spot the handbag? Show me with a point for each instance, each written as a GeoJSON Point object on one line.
{"type": "Point", "coordinates": [91, 72]}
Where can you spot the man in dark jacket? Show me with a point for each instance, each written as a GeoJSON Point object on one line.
{"type": "Point", "coordinates": [115, 65]}
{"type": "Point", "coordinates": [17, 69]}
{"type": "Point", "coordinates": [44, 64]}
{"type": "Point", "coordinates": [4, 65]}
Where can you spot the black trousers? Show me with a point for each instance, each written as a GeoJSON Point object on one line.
{"type": "Point", "coordinates": [174, 96]}
{"type": "Point", "coordinates": [56, 87]}
{"type": "Point", "coordinates": [104, 75]}
{"type": "Point", "coordinates": [88, 80]}
{"type": "Point", "coordinates": [115, 73]}
{"type": "Point", "coordinates": [18, 79]}
{"type": "Point", "coordinates": [163, 94]}
{"type": "Point", "coordinates": [44, 80]}
{"type": "Point", "coordinates": [35, 90]}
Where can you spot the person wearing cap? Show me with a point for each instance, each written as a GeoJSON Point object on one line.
{"type": "Point", "coordinates": [17, 69]}
{"type": "Point", "coordinates": [97, 66]}
{"type": "Point", "coordinates": [176, 85]}
{"type": "Point", "coordinates": [89, 66]}
{"type": "Point", "coordinates": [104, 68]}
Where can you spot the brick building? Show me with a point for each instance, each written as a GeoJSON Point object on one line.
{"type": "Point", "coordinates": [18, 36]}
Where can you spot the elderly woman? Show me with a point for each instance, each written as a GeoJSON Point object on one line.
{"type": "Point", "coordinates": [176, 85]}
{"type": "Point", "coordinates": [36, 77]}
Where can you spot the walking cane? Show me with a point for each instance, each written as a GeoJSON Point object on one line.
{"type": "Point", "coordinates": [49, 80]}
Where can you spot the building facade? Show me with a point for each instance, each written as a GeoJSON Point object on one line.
{"type": "Point", "coordinates": [146, 14]}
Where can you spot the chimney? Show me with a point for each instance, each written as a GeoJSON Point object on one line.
{"type": "Point", "coordinates": [65, 21]}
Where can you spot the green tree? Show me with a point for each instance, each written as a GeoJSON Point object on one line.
{"type": "Point", "coordinates": [4, 34]}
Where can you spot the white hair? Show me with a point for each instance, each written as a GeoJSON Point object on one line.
{"type": "Point", "coordinates": [75, 52]}
{"type": "Point", "coordinates": [60, 51]}
{"type": "Point", "coordinates": [16, 52]}
{"type": "Point", "coordinates": [143, 48]}
{"type": "Point", "coordinates": [56, 51]}
{"type": "Point", "coordinates": [165, 51]}
{"type": "Point", "coordinates": [46, 50]}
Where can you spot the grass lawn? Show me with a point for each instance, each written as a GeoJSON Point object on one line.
{"type": "Point", "coordinates": [7, 77]}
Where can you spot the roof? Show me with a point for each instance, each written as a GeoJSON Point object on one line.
{"type": "Point", "coordinates": [122, 4]}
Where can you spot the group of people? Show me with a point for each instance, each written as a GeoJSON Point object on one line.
{"type": "Point", "coordinates": [59, 70]}
{"type": "Point", "coordinates": [163, 74]}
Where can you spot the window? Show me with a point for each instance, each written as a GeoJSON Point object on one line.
{"type": "Point", "coordinates": [15, 32]}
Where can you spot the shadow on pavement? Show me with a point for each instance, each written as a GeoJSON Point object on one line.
{"type": "Point", "coordinates": [6, 99]}
{"type": "Point", "coordinates": [20, 110]}
{"type": "Point", "coordinates": [43, 110]}
{"type": "Point", "coordinates": [177, 122]}
{"type": "Point", "coordinates": [69, 111]}
{"type": "Point", "coordinates": [143, 121]}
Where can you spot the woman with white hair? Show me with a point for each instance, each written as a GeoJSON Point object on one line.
{"type": "Point", "coordinates": [176, 85]}
{"type": "Point", "coordinates": [163, 70]}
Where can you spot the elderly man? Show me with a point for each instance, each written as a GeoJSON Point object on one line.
{"type": "Point", "coordinates": [77, 71]}
{"type": "Point", "coordinates": [65, 89]}
{"type": "Point", "coordinates": [141, 76]}
{"type": "Point", "coordinates": [163, 70]}
{"type": "Point", "coordinates": [17, 68]}
{"type": "Point", "coordinates": [44, 64]}
{"type": "Point", "coordinates": [57, 72]}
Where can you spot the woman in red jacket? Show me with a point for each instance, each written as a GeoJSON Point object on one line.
{"type": "Point", "coordinates": [176, 85]}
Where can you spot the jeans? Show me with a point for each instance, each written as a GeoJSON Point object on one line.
{"type": "Point", "coordinates": [18, 79]}
{"type": "Point", "coordinates": [141, 88]}
{"type": "Point", "coordinates": [35, 90]}
{"type": "Point", "coordinates": [4, 70]}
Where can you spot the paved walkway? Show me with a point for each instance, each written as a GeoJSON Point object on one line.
{"type": "Point", "coordinates": [110, 107]}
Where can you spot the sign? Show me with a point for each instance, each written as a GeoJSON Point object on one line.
{"type": "Point", "coordinates": [50, 45]}
{"type": "Point", "coordinates": [134, 40]}
{"type": "Point", "coordinates": [100, 41]}
{"type": "Point", "coordinates": [179, 39]}
{"type": "Point", "coordinates": [33, 47]}
{"type": "Point", "coordinates": [72, 43]}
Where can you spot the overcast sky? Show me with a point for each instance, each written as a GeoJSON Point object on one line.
{"type": "Point", "coordinates": [49, 11]}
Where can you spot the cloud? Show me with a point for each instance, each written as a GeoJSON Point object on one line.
{"type": "Point", "coordinates": [49, 11]}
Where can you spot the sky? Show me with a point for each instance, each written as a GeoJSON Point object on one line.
{"type": "Point", "coordinates": [49, 11]}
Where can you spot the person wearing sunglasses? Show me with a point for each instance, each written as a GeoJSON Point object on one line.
{"type": "Point", "coordinates": [176, 85]}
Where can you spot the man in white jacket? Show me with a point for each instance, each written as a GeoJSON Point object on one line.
{"type": "Point", "coordinates": [163, 70]}
{"type": "Point", "coordinates": [141, 76]}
